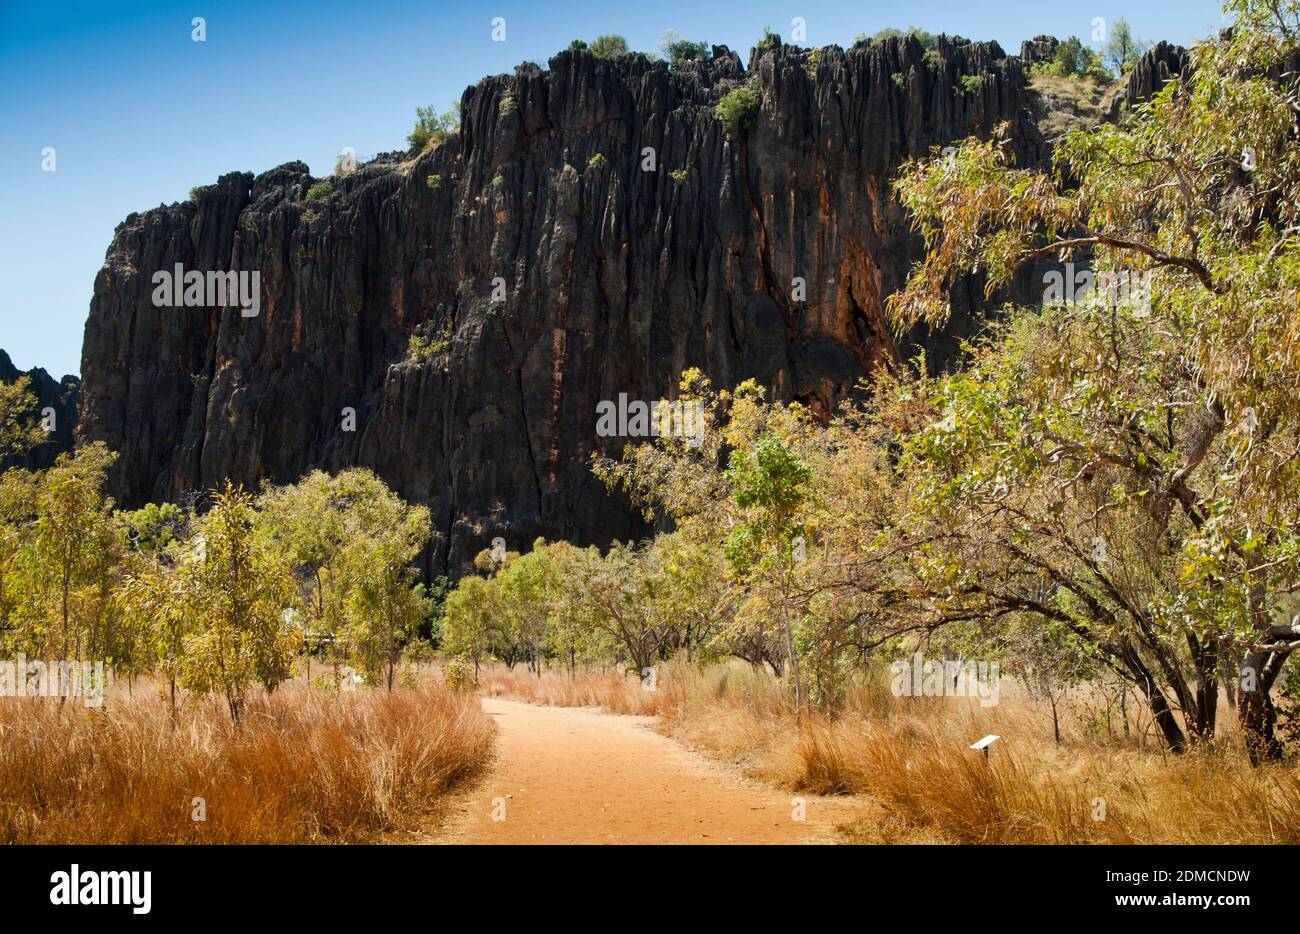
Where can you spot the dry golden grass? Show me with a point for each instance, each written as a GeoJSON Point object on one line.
{"type": "Point", "coordinates": [306, 766]}
{"type": "Point", "coordinates": [911, 756]}
{"type": "Point", "coordinates": [1066, 103]}
{"type": "Point", "coordinates": [612, 692]}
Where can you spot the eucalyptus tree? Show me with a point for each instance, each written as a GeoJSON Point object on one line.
{"type": "Point", "coordinates": [1125, 465]}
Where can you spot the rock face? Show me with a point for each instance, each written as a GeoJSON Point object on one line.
{"type": "Point", "coordinates": [1156, 66]}
{"type": "Point", "coordinates": [1038, 49]}
{"type": "Point", "coordinates": [591, 231]}
{"type": "Point", "coordinates": [61, 396]}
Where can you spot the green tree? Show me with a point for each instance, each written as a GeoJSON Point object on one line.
{"type": "Point", "coordinates": [349, 539]}
{"type": "Point", "coordinates": [1122, 49]}
{"type": "Point", "coordinates": [17, 495]}
{"type": "Point", "coordinates": [770, 488]}
{"type": "Point", "coordinates": [436, 594]}
{"type": "Point", "coordinates": [620, 601]}
{"type": "Point", "coordinates": [18, 433]}
{"type": "Point", "coordinates": [384, 605]}
{"type": "Point", "coordinates": [571, 630]}
{"type": "Point", "coordinates": [1153, 427]}
{"type": "Point", "coordinates": [310, 523]}
{"type": "Point", "coordinates": [526, 588]}
{"type": "Point", "coordinates": [679, 480]}
{"type": "Point", "coordinates": [70, 551]}
{"type": "Point", "coordinates": [471, 614]}
{"type": "Point", "coordinates": [152, 599]}
{"type": "Point", "coordinates": [236, 589]}
{"type": "Point", "coordinates": [697, 599]}
{"type": "Point", "coordinates": [1074, 59]}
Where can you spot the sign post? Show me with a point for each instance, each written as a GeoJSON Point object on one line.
{"type": "Point", "coordinates": [984, 744]}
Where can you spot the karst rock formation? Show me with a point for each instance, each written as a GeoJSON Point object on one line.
{"type": "Point", "coordinates": [540, 268]}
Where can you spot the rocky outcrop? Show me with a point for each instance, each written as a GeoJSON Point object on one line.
{"type": "Point", "coordinates": [56, 401]}
{"type": "Point", "coordinates": [590, 231]}
{"type": "Point", "coordinates": [1038, 49]}
{"type": "Point", "coordinates": [1156, 66]}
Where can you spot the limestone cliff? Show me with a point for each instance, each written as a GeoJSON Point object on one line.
{"type": "Point", "coordinates": [608, 279]}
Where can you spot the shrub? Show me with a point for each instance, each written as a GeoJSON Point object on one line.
{"type": "Point", "coordinates": [433, 181]}
{"type": "Point", "coordinates": [458, 674]}
{"type": "Point", "coordinates": [769, 39]}
{"type": "Point", "coordinates": [597, 161]}
{"type": "Point", "coordinates": [927, 39]}
{"type": "Point", "coordinates": [971, 84]}
{"type": "Point", "coordinates": [420, 348]}
{"type": "Point", "coordinates": [424, 346]}
{"type": "Point", "coordinates": [609, 46]}
{"type": "Point", "coordinates": [319, 192]}
{"type": "Point", "coordinates": [345, 164]}
{"type": "Point", "coordinates": [153, 527]}
{"type": "Point", "coordinates": [679, 50]}
{"type": "Point", "coordinates": [507, 106]}
{"type": "Point", "coordinates": [678, 175]}
{"type": "Point", "coordinates": [194, 194]}
{"type": "Point", "coordinates": [1074, 59]}
{"type": "Point", "coordinates": [498, 180]}
{"type": "Point", "coordinates": [432, 128]}
{"type": "Point", "coordinates": [899, 79]}
{"type": "Point", "coordinates": [737, 111]}
{"type": "Point", "coordinates": [577, 45]}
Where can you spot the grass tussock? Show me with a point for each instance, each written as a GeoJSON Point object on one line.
{"type": "Point", "coordinates": [910, 756]}
{"type": "Point", "coordinates": [306, 766]}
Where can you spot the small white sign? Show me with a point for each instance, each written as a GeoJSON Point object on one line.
{"type": "Point", "coordinates": [986, 741]}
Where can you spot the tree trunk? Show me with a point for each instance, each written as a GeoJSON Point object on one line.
{"type": "Point", "coordinates": [1205, 659]}
{"type": "Point", "coordinates": [1259, 669]}
{"type": "Point", "coordinates": [1168, 723]}
{"type": "Point", "coordinates": [1229, 679]}
{"type": "Point", "coordinates": [794, 666]}
{"type": "Point", "coordinates": [1161, 712]}
{"type": "Point", "coordinates": [1255, 709]}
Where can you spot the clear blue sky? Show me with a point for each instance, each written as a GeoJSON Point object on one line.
{"type": "Point", "coordinates": [138, 113]}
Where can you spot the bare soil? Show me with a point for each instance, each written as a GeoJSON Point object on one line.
{"type": "Point", "coordinates": [575, 775]}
